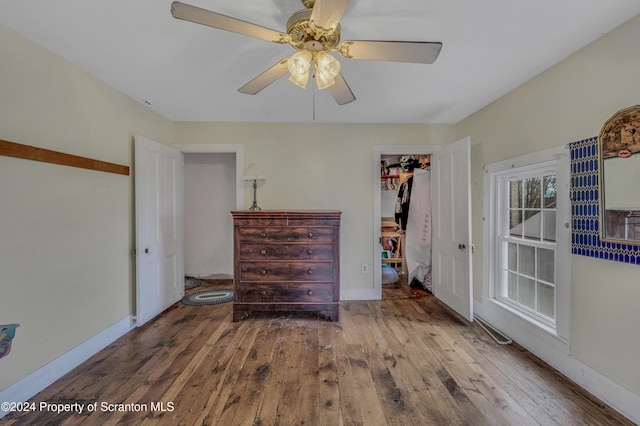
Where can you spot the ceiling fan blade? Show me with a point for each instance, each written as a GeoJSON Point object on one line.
{"type": "Point", "coordinates": [419, 52]}
{"type": "Point", "coordinates": [326, 14]}
{"type": "Point", "coordinates": [266, 78]}
{"type": "Point", "coordinates": [216, 20]}
{"type": "Point", "coordinates": [341, 91]}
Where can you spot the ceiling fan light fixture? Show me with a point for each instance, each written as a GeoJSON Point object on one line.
{"type": "Point", "coordinates": [299, 80]}
{"type": "Point", "coordinates": [300, 63]}
{"type": "Point", "coordinates": [327, 66]}
{"type": "Point", "coordinates": [323, 82]}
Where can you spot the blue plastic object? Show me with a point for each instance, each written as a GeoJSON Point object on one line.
{"type": "Point", "coordinates": [7, 333]}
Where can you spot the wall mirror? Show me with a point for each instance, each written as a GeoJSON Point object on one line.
{"type": "Point", "coordinates": [619, 144]}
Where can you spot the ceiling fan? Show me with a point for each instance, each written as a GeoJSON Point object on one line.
{"type": "Point", "coordinates": [314, 32]}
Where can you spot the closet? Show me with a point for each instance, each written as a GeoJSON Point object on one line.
{"type": "Point", "coordinates": [405, 229]}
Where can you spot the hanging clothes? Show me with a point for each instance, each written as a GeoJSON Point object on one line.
{"type": "Point", "coordinates": [402, 203]}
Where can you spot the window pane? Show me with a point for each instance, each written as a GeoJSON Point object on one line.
{"type": "Point", "coordinates": [527, 292]}
{"type": "Point", "coordinates": [513, 257]}
{"type": "Point", "coordinates": [550, 192]}
{"type": "Point", "coordinates": [549, 224]}
{"type": "Point", "coordinates": [532, 193]}
{"type": "Point", "coordinates": [512, 286]}
{"type": "Point", "coordinates": [515, 223]}
{"type": "Point", "coordinates": [532, 224]}
{"type": "Point", "coordinates": [526, 260]}
{"type": "Point", "coordinates": [515, 194]}
{"type": "Point", "coordinates": [546, 300]}
{"type": "Point", "coordinates": [546, 265]}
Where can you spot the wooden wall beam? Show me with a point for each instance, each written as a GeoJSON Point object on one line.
{"type": "Point", "coordinates": [12, 149]}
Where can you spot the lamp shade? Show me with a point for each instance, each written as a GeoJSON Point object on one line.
{"type": "Point", "coordinates": [254, 172]}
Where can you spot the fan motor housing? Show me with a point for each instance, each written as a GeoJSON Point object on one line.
{"type": "Point", "coordinates": [300, 30]}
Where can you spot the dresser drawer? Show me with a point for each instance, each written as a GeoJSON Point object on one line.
{"type": "Point", "coordinates": [286, 292]}
{"type": "Point", "coordinates": [286, 271]}
{"type": "Point", "coordinates": [266, 251]}
{"type": "Point", "coordinates": [284, 234]}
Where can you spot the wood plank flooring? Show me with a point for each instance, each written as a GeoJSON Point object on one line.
{"type": "Point", "coordinates": [399, 361]}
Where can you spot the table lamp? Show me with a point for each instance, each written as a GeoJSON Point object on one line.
{"type": "Point", "coordinates": [254, 173]}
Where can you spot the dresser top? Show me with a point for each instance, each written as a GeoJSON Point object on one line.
{"type": "Point", "coordinates": [286, 213]}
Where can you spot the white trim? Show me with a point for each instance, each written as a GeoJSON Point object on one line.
{"type": "Point", "coordinates": [360, 294]}
{"type": "Point", "coordinates": [560, 156]}
{"type": "Point", "coordinates": [237, 149]}
{"type": "Point", "coordinates": [552, 351]}
{"type": "Point", "coordinates": [378, 152]}
{"type": "Point", "coordinates": [35, 382]}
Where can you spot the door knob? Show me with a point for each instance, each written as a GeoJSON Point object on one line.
{"type": "Point", "coordinates": [461, 246]}
{"type": "Point", "coordinates": [147, 251]}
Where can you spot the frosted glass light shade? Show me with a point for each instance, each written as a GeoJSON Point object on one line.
{"type": "Point", "coordinates": [323, 82]}
{"type": "Point", "coordinates": [299, 63]}
{"type": "Point", "coordinates": [327, 66]}
{"type": "Point", "coordinates": [299, 80]}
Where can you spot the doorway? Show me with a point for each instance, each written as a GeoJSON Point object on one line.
{"type": "Point", "coordinates": [213, 187]}
{"type": "Point", "coordinates": [384, 204]}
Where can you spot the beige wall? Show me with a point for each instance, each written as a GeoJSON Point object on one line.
{"type": "Point", "coordinates": [570, 102]}
{"type": "Point", "coordinates": [65, 233]}
{"type": "Point", "coordinates": [319, 166]}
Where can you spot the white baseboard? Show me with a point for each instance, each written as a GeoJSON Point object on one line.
{"type": "Point", "coordinates": [35, 382]}
{"type": "Point", "coordinates": [558, 356]}
{"type": "Point", "coordinates": [367, 294]}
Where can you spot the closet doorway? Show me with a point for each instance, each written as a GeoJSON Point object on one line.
{"type": "Point", "coordinates": [389, 233]}
{"type": "Point", "coordinates": [213, 187]}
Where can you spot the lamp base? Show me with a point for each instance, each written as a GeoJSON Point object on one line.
{"type": "Point", "coordinates": [254, 207]}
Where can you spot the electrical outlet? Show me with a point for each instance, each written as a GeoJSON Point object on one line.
{"type": "Point", "coordinates": [365, 268]}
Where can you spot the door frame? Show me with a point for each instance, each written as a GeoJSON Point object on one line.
{"type": "Point", "coordinates": [378, 152]}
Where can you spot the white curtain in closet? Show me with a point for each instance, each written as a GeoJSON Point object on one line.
{"type": "Point", "coordinates": [419, 226]}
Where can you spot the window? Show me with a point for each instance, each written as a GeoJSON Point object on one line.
{"type": "Point", "coordinates": [528, 242]}
{"type": "Point", "coordinates": [526, 219]}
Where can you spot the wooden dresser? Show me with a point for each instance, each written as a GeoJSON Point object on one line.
{"type": "Point", "coordinates": [286, 261]}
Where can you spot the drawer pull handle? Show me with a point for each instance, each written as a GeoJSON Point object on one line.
{"type": "Point", "coordinates": [263, 252]}
{"type": "Point", "coordinates": [263, 235]}
{"type": "Point", "coordinates": [309, 271]}
{"type": "Point", "coordinates": [263, 292]}
{"type": "Point", "coordinates": [310, 293]}
{"type": "Point", "coordinates": [309, 252]}
{"type": "Point", "coordinates": [263, 271]}
{"type": "Point", "coordinates": [310, 235]}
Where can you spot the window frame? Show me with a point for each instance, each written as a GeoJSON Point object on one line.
{"type": "Point", "coordinates": [494, 211]}
{"type": "Point", "coordinates": [503, 180]}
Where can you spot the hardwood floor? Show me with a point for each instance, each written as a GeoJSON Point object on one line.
{"type": "Point", "coordinates": [399, 361]}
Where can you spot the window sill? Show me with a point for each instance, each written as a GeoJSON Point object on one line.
{"type": "Point", "coordinates": [514, 322]}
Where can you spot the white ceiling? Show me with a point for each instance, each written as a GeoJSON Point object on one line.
{"type": "Point", "coordinates": [189, 72]}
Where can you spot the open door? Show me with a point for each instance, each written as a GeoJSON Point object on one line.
{"type": "Point", "coordinates": [451, 210]}
{"type": "Point", "coordinates": [159, 228]}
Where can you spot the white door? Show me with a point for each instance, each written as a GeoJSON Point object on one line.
{"type": "Point", "coordinates": [159, 228]}
{"type": "Point", "coordinates": [451, 210]}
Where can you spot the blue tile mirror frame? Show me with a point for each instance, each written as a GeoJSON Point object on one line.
{"type": "Point", "coordinates": [585, 208]}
